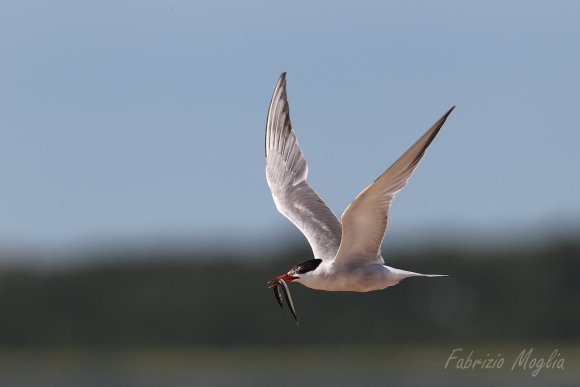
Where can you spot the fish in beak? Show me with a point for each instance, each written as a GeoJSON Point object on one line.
{"type": "Point", "coordinates": [280, 283]}
{"type": "Point", "coordinates": [284, 277]}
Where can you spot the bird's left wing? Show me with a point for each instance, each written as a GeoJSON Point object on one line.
{"type": "Point", "coordinates": [364, 222]}
{"type": "Point", "coordinates": [286, 172]}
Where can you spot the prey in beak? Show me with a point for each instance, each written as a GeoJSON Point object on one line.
{"type": "Point", "coordinates": [284, 277]}
{"type": "Point", "coordinates": [280, 282]}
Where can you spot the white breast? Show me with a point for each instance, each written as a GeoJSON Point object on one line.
{"type": "Point", "coordinates": [351, 276]}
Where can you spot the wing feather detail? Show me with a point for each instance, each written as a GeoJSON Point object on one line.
{"type": "Point", "coordinates": [364, 222]}
{"type": "Point", "coordinates": [286, 172]}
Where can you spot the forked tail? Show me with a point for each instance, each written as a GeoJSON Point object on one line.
{"type": "Point", "coordinates": [406, 274]}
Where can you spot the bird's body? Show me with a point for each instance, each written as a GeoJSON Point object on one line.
{"type": "Point", "coordinates": [347, 254]}
{"type": "Point", "coordinates": [354, 276]}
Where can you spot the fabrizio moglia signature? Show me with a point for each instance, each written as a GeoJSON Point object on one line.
{"type": "Point", "coordinates": [526, 360]}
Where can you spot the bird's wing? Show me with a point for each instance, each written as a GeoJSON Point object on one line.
{"type": "Point", "coordinates": [286, 171]}
{"type": "Point", "coordinates": [364, 222]}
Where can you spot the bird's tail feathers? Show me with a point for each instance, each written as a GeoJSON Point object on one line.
{"type": "Point", "coordinates": [407, 274]}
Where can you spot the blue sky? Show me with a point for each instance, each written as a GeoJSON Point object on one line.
{"type": "Point", "coordinates": [143, 120]}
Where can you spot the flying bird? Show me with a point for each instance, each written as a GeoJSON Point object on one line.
{"type": "Point", "coordinates": [347, 254]}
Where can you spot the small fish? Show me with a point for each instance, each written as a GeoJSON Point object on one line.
{"type": "Point", "coordinates": [278, 295]}
{"type": "Point", "coordinates": [288, 299]}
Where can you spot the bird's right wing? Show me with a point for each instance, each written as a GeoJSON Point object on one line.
{"type": "Point", "coordinates": [286, 172]}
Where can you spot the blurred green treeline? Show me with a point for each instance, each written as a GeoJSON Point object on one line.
{"type": "Point", "coordinates": [512, 294]}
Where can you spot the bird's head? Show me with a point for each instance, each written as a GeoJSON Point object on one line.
{"type": "Point", "coordinates": [295, 273]}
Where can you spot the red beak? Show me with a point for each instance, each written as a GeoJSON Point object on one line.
{"type": "Point", "coordinates": [284, 277]}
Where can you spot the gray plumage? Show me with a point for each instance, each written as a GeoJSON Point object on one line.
{"type": "Point", "coordinates": [286, 172]}
{"type": "Point", "coordinates": [351, 251]}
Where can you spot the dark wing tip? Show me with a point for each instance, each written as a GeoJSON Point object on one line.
{"type": "Point", "coordinates": [279, 93]}
{"type": "Point", "coordinates": [442, 120]}
{"type": "Point", "coordinates": [439, 124]}
{"type": "Point", "coordinates": [434, 130]}
{"type": "Point", "coordinates": [449, 111]}
{"type": "Point", "coordinates": [280, 84]}
{"type": "Point", "coordinates": [281, 80]}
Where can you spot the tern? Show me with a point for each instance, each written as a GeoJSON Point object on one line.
{"type": "Point", "coordinates": [347, 254]}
